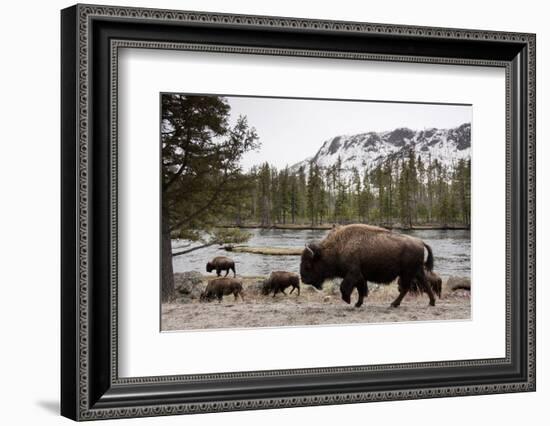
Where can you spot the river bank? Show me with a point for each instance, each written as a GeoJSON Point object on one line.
{"type": "Point", "coordinates": [311, 307]}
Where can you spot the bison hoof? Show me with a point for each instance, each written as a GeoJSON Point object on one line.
{"type": "Point", "coordinates": [358, 304]}
{"type": "Point", "coordinates": [346, 299]}
{"type": "Point", "coordinates": [394, 305]}
{"type": "Point", "coordinates": [432, 302]}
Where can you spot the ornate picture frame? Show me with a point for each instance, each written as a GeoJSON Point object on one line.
{"type": "Point", "coordinates": [90, 384]}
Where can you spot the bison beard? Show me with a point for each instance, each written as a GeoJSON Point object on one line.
{"type": "Point", "coordinates": [361, 253]}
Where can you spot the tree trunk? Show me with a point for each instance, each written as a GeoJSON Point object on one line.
{"type": "Point", "coordinates": [167, 287]}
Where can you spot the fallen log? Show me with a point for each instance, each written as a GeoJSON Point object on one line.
{"type": "Point", "coordinates": [268, 251]}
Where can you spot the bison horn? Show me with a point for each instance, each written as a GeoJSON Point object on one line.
{"type": "Point", "coordinates": [308, 248]}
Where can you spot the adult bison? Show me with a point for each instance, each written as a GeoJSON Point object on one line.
{"type": "Point", "coordinates": [221, 263]}
{"type": "Point", "coordinates": [361, 253]}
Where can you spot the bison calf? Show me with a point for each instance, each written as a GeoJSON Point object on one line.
{"type": "Point", "coordinates": [432, 279]}
{"type": "Point", "coordinates": [279, 281]}
{"type": "Point", "coordinates": [221, 263]}
{"type": "Point", "coordinates": [219, 287]}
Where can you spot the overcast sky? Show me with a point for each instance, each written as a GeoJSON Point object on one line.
{"type": "Point", "coordinates": [291, 130]}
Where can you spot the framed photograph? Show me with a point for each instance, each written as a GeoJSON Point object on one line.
{"type": "Point", "coordinates": [263, 212]}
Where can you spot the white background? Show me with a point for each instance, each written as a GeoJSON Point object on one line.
{"type": "Point", "coordinates": [142, 346]}
{"type": "Point", "coordinates": [29, 229]}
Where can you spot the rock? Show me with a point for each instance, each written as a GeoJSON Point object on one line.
{"type": "Point", "coordinates": [458, 283]}
{"type": "Point", "coordinates": [327, 299]}
{"type": "Point", "coordinates": [189, 284]}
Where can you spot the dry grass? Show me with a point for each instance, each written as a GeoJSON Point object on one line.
{"type": "Point", "coordinates": [312, 307]}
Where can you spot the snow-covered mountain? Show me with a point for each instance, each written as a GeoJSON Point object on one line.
{"type": "Point", "coordinates": [368, 150]}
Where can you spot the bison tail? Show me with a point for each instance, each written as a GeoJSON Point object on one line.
{"type": "Point", "coordinates": [430, 260]}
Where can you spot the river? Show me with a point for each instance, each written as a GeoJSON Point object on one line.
{"type": "Point", "coordinates": [451, 250]}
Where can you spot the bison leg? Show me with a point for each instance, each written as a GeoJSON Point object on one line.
{"type": "Point", "coordinates": [404, 286]}
{"type": "Point", "coordinates": [398, 299]}
{"type": "Point", "coordinates": [353, 279]}
{"type": "Point", "coordinates": [361, 296]}
{"type": "Point", "coordinates": [346, 289]}
{"type": "Point", "coordinates": [430, 293]}
{"type": "Point", "coordinates": [226, 272]}
{"type": "Point", "coordinates": [423, 281]}
{"type": "Point", "coordinates": [234, 272]}
{"type": "Point", "coordinates": [363, 291]}
{"type": "Point", "coordinates": [218, 272]}
{"type": "Point", "coordinates": [293, 288]}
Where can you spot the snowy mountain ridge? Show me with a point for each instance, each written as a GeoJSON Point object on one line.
{"type": "Point", "coordinates": [370, 149]}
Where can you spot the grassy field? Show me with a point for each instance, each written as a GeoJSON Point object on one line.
{"type": "Point", "coordinates": [311, 307]}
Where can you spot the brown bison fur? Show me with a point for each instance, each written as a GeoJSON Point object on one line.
{"type": "Point", "coordinates": [219, 287]}
{"type": "Point", "coordinates": [279, 281]}
{"type": "Point", "coordinates": [432, 279]}
{"type": "Point", "coordinates": [361, 253]}
{"type": "Point", "coordinates": [221, 263]}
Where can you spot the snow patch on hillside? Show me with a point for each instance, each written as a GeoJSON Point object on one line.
{"type": "Point", "coordinates": [370, 149]}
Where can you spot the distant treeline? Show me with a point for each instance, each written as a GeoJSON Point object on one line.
{"type": "Point", "coordinates": [404, 191]}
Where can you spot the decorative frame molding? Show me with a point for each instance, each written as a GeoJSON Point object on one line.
{"type": "Point", "coordinates": [91, 37]}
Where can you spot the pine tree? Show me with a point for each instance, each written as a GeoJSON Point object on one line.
{"type": "Point", "coordinates": [201, 169]}
{"type": "Point", "coordinates": [284, 196]}
{"type": "Point", "coordinates": [302, 193]}
{"type": "Point", "coordinates": [341, 194]}
{"type": "Point", "coordinates": [403, 184]}
{"type": "Point", "coordinates": [379, 183]}
{"type": "Point", "coordinates": [265, 195]}
{"type": "Point", "coordinates": [366, 199]}
{"type": "Point", "coordinates": [294, 207]}
{"type": "Point", "coordinates": [421, 208]}
{"type": "Point", "coordinates": [442, 194]}
{"type": "Point", "coordinates": [462, 184]}
{"type": "Point", "coordinates": [388, 180]}
{"type": "Point", "coordinates": [413, 186]}
{"type": "Point", "coordinates": [356, 194]}
{"type": "Point", "coordinates": [430, 188]}
{"type": "Point", "coordinates": [311, 194]}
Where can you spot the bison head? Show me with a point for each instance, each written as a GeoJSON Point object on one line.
{"type": "Point", "coordinates": [205, 297]}
{"type": "Point", "coordinates": [209, 267]}
{"type": "Point", "coordinates": [266, 287]}
{"type": "Point", "coordinates": [312, 266]}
